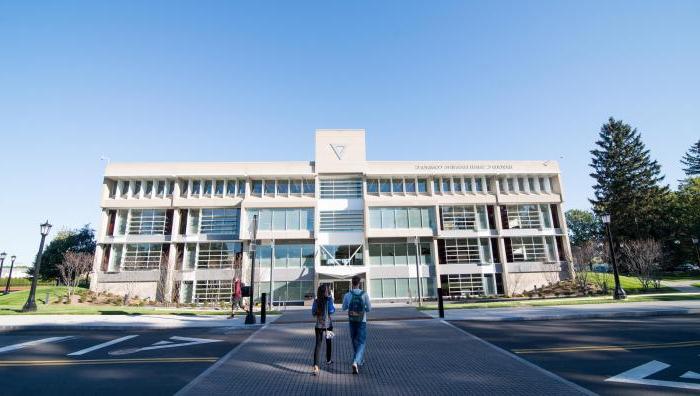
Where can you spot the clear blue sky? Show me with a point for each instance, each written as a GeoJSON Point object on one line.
{"type": "Point", "coordinates": [234, 81]}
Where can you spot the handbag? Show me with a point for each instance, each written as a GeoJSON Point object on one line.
{"type": "Point", "coordinates": [329, 334]}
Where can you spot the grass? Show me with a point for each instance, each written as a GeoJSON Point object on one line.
{"type": "Point", "coordinates": [564, 301]}
{"type": "Point", "coordinates": [12, 303]}
{"type": "Point", "coordinates": [631, 285]}
{"type": "Point", "coordinates": [696, 284]}
{"type": "Point", "coordinates": [685, 276]}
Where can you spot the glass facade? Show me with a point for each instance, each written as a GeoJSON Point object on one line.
{"type": "Point", "coordinates": [219, 221]}
{"type": "Point", "coordinates": [465, 251]}
{"type": "Point", "coordinates": [142, 256]}
{"type": "Point", "coordinates": [465, 217]}
{"type": "Point", "coordinates": [399, 253]}
{"type": "Point", "coordinates": [387, 288]}
{"type": "Point", "coordinates": [341, 255]}
{"type": "Point", "coordinates": [286, 255]}
{"type": "Point", "coordinates": [283, 219]}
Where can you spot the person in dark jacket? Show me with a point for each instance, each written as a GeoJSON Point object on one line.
{"type": "Point", "coordinates": [322, 309]}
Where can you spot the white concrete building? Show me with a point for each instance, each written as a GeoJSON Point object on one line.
{"type": "Point", "coordinates": [181, 231]}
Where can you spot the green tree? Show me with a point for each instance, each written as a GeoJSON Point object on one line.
{"type": "Point", "coordinates": [682, 224]}
{"type": "Point", "coordinates": [691, 160]}
{"type": "Point", "coordinates": [583, 226]}
{"type": "Point", "coordinates": [80, 240]}
{"type": "Point", "coordinates": [627, 182]}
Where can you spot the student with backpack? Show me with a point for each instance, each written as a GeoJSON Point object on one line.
{"type": "Point", "coordinates": [357, 303]}
{"type": "Point", "coordinates": [322, 309]}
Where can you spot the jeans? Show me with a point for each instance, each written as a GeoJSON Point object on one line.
{"type": "Point", "coordinates": [358, 334]}
{"type": "Point", "coordinates": [320, 335]}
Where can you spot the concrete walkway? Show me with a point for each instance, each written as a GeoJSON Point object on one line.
{"type": "Point", "coordinates": [685, 286]}
{"type": "Point", "coordinates": [574, 311]}
{"type": "Point", "coordinates": [127, 322]}
{"type": "Point", "coordinates": [404, 357]}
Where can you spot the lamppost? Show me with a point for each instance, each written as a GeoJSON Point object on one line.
{"type": "Point", "coordinates": [618, 293]}
{"type": "Point", "coordinates": [9, 277]}
{"type": "Point", "coordinates": [30, 305]}
{"type": "Point", "coordinates": [695, 243]}
{"type": "Point", "coordinates": [250, 318]}
{"type": "Point", "coordinates": [2, 261]}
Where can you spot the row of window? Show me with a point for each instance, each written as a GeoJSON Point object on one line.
{"type": "Point", "coordinates": [397, 186]}
{"type": "Point", "coordinates": [340, 188]}
{"type": "Point", "coordinates": [141, 189]}
{"type": "Point", "coordinates": [401, 217]}
{"type": "Point", "coordinates": [286, 255]}
{"type": "Point", "coordinates": [283, 219]}
{"type": "Point", "coordinates": [342, 220]}
{"type": "Point", "coordinates": [401, 288]}
{"type": "Point", "coordinates": [466, 285]}
{"type": "Point", "coordinates": [464, 217]}
{"type": "Point", "coordinates": [392, 254]}
{"type": "Point", "coordinates": [209, 255]}
{"type": "Point", "coordinates": [341, 255]}
{"type": "Point", "coordinates": [282, 187]}
{"type": "Point", "coordinates": [461, 185]}
{"type": "Point", "coordinates": [526, 185]}
{"type": "Point", "coordinates": [206, 188]}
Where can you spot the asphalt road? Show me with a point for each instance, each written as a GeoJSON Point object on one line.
{"type": "Point", "coordinates": [109, 362]}
{"type": "Point", "coordinates": [662, 352]}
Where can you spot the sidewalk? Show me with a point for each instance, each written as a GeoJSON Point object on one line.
{"type": "Point", "coordinates": [656, 308]}
{"type": "Point", "coordinates": [116, 322]}
{"type": "Point", "coordinates": [404, 357]}
{"type": "Point", "coordinates": [685, 286]}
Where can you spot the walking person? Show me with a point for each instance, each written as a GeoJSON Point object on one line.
{"type": "Point", "coordinates": [237, 297]}
{"type": "Point", "coordinates": [323, 309]}
{"type": "Point", "coordinates": [357, 303]}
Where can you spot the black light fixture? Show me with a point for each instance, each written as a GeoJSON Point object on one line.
{"type": "Point", "coordinates": [250, 318]}
{"type": "Point", "coordinates": [618, 293]}
{"type": "Point", "coordinates": [2, 261]}
{"type": "Point", "coordinates": [30, 305]}
{"type": "Point", "coordinates": [9, 277]}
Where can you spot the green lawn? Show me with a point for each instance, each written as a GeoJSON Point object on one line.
{"type": "Point", "coordinates": [631, 285]}
{"type": "Point", "coordinates": [12, 303]}
{"type": "Point", "coordinates": [696, 284]}
{"type": "Point", "coordinates": [686, 276]}
{"type": "Point", "coordinates": [564, 301]}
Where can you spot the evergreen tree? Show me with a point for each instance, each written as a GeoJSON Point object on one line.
{"type": "Point", "coordinates": [583, 226]}
{"type": "Point", "coordinates": [80, 240]}
{"type": "Point", "coordinates": [691, 160]}
{"type": "Point", "coordinates": [627, 182]}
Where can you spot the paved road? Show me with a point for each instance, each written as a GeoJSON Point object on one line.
{"type": "Point", "coordinates": [665, 351]}
{"type": "Point", "coordinates": [68, 362]}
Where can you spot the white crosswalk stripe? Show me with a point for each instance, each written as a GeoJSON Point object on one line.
{"type": "Point", "coordinates": [100, 346]}
{"type": "Point", "coordinates": [32, 343]}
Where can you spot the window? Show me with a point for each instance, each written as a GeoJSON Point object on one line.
{"type": "Point", "coordinates": [196, 188]}
{"type": "Point", "coordinates": [147, 222]}
{"type": "Point", "coordinates": [341, 255]}
{"type": "Point", "coordinates": [295, 187]}
{"type": "Point", "coordinates": [160, 188]}
{"type": "Point", "coordinates": [342, 220]}
{"type": "Point", "coordinates": [219, 221]}
{"type": "Point", "coordinates": [291, 255]}
{"type": "Point", "coordinates": [287, 291]}
{"type": "Point", "coordinates": [136, 193]}
{"type": "Point", "coordinates": [372, 186]}
{"type": "Point", "coordinates": [112, 189]}
{"type": "Point", "coordinates": [241, 188]}
{"type": "Point", "coordinates": [468, 185]}
{"type": "Point", "coordinates": [142, 256]}
{"type": "Point", "coordinates": [283, 218]}
{"type": "Point", "coordinates": [149, 189]}
{"type": "Point", "coordinates": [124, 189]}
{"type": "Point", "coordinates": [171, 187]}
{"type": "Point", "coordinates": [115, 258]}
{"type": "Point", "coordinates": [387, 288]}
{"type": "Point", "coordinates": [457, 184]}
{"type": "Point", "coordinates": [230, 188]}
{"type": "Point", "coordinates": [422, 186]}
{"type": "Point", "coordinates": [390, 254]}
{"type": "Point", "coordinates": [542, 185]}
{"type": "Point", "coordinates": [385, 186]}
{"type": "Point", "coordinates": [283, 187]}
{"type": "Point", "coordinates": [310, 187]}
{"type": "Point", "coordinates": [219, 188]}
{"type": "Point", "coordinates": [459, 251]}
{"type": "Point", "coordinates": [401, 217]}
{"type": "Point", "coordinates": [397, 186]}
{"type": "Point", "coordinates": [122, 218]}
{"type": "Point", "coordinates": [341, 188]}
{"type": "Point", "coordinates": [462, 285]}
{"type": "Point", "coordinates": [190, 256]}
{"type": "Point", "coordinates": [257, 188]}
{"type": "Point", "coordinates": [207, 188]}
{"type": "Point", "coordinates": [270, 188]}
{"type": "Point", "coordinates": [410, 186]}
{"type": "Point", "coordinates": [528, 249]}
{"type": "Point", "coordinates": [523, 216]}
{"type": "Point", "coordinates": [531, 184]}
{"type": "Point", "coordinates": [219, 254]}
{"type": "Point", "coordinates": [479, 184]}
{"type": "Point", "coordinates": [213, 291]}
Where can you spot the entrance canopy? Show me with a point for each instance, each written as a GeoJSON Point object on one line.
{"type": "Point", "coordinates": [340, 271]}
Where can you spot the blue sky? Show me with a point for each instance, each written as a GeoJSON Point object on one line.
{"type": "Point", "coordinates": [235, 81]}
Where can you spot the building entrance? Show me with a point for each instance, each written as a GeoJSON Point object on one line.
{"type": "Point", "coordinates": [340, 288]}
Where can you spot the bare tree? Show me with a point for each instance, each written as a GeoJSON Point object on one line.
{"type": "Point", "coordinates": [583, 257]}
{"type": "Point", "coordinates": [514, 280]}
{"type": "Point", "coordinates": [642, 258]}
{"type": "Point", "coordinates": [161, 286]}
{"type": "Point", "coordinates": [74, 267]}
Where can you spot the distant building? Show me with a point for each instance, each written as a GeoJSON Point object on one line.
{"type": "Point", "coordinates": [182, 231]}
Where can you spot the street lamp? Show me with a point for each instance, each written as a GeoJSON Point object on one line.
{"type": "Point", "coordinates": [250, 318]}
{"type": "Point", "coordinates": [695, 243]}
{"type": "Point", "coordinates": [2, 261]}
{"type": "Point", "coordinates": [30, 305]}
{"type": "Point", "coordinates": [618, 293]}
{"type": "Point", "coordinates": [9, 277]}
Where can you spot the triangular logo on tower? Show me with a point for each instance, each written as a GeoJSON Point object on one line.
{"type": "Point", "coordinates": [338, 150]}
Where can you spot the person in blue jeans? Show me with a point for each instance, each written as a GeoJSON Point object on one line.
{"type": "Point", "coordinates": [357, 303]}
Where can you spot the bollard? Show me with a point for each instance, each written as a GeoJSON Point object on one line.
{"type": "Point", "coordinates": [47, 298]}
{"type": "Point", "coordinates": [441, 307]}
{"type": "Point", "coordinates": [263, 307]}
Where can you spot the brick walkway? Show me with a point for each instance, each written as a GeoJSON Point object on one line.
{"type": "Point", "coordinates": [406, 357]}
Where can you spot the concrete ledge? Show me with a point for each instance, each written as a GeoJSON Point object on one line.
{"type": "Point", "coordinates": [587, 315]}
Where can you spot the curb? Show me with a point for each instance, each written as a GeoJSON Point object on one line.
{"type": "Point", "coordinates": [591, 315]}
{"type": "Point", "coordinates": [120, 327]}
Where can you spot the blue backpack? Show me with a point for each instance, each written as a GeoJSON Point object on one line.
{"type": "Point", "coordinates": [356, 308]}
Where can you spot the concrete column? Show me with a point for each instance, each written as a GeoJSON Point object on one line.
{"type": "Point", "coordinates": [501, 246]}
{"type": "Point", "coordinates": [99, 253]}
{"type": "Point", "coordinates": [434, 255]}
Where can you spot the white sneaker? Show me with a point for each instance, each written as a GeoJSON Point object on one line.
{"type": "Point", "coordinates": [355, 369]}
